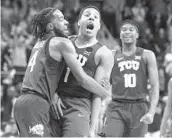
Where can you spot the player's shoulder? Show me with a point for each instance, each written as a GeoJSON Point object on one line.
{"type": "Point", "coordinates": [61, 43]}
{"type": "Point", "coordinates": [148, 53]}
{"type": "Point", "coordinates": [105, 51]}
{"type": "Point", "coordinates": [104, 54]}
{"type": "Point", "coordinates": [149, 56]}
{"type": "Point", "coordinates": [60, 40]}
{"type": "Point", "coordinates": [103, 48]}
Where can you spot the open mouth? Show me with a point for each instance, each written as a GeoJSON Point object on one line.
{"type": "Point", "coordinates": [90, 26]}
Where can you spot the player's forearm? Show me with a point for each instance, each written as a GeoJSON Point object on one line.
{"type": "Point", "coordinates": [96, 105]}
{"type": "Point", "coordinates": [91, 85]}
{"type": "Point", "coordinates": [154, 98]}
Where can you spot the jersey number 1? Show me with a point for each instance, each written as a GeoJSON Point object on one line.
{"type": "Point", "coordinates": [32, 61]}
{"type": "Point", "coordinates": [82, 61]}
{"type": "Point", "coordinates": [130, 80]}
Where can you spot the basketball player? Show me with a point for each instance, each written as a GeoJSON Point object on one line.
{"type": "Point", "coordinates": [97, 61]}
{"type": "Point", "coordinates": [128, 114]}
{"type": "Point", "coordinates": [32, 108]}
{"type": "Point", "coordinates": [166, 125]}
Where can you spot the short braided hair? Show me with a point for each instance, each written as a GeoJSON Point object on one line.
{"type": "Point", "coordinates": [133, 23]}
{"type": "Point", "coordinates": [40, 21]}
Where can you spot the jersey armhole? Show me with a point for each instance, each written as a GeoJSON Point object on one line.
{"type": "Point", "coordinates": [144, 58]}
{"type": "Point", "coordinates": [47, 49]}
{"type": "Point", "coordinates": [145, 61]}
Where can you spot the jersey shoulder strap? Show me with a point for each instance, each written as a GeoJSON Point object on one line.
{"type": "Point", "coordinates": [118, 53]}
{"type": "Point", "coordinates": [47, 48]}
{"type": "Point", "coordinates": [139, 51]}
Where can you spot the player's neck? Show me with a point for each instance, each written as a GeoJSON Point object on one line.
{"type": "Point", "coordinates": [128, 49]}
{"type": "Point", "coordinates": [86, 41]}
{"type": "Point", "coordinates": [47, 36]}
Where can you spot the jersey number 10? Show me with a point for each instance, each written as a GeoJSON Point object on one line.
{"type": "Point", "coordinates": [130, 80]}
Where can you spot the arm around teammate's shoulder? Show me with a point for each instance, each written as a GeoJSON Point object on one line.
{"type": "Point", "coordinates": [67, 51]}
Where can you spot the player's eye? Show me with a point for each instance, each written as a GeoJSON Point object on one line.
{"type": "Point", "coordinates": [95, 17]}
{"type": "Point", "coordinates": [61, 19]}
{"type": "Point", "coordinates": [131, 29]}
{"type": "Point", "coordinates": [124, 29]}
{"type": "Point", "coordinates": [87, 15]}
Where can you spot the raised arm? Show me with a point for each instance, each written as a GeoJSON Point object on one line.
{"type": "Point", "coordinates": [67, 51]}
{"type": "Point", "coordinates": [105, 61]}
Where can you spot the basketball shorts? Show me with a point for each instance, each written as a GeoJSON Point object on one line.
{"type": "Point", "coordinates": [32, 117]}
{"type": "Point", "coordinates": [76, 117]}
{"type": "Point", "coordinates": [123, 119]}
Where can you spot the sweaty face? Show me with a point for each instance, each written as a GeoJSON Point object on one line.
{"type": "Point", "coordinates": [128, 34]}
{"type": "Point", "coordinates": [60, 24]}
{"type": "Point", "coordinates": [89, 22]}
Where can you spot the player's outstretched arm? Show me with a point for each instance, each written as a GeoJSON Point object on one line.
{"type": "Point", "coordinates": [168, 109]}
{"type": "Point", "coordinates": [105, 61]}
{"type": "Point", "coordinates": [67, 51]}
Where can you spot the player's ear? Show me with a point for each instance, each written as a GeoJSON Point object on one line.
{"type": "Point", "coordinates": [137, 35]}
{"type": "Point", "coordinates": [50, 26]}
{"type": "Point", "coordinates": [120, 36]}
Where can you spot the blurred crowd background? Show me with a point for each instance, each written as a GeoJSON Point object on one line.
{"type": "Point", "coordinates": [154, 18]}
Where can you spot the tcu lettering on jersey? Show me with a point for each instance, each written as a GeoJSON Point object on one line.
{"type": "Point", "coordinates": [129, 65]}
{"type": "Point", "coordinates": [82, 59]}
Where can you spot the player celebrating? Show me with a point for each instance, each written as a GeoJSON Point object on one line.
{"type": "Point", "coordinates": [97, 61]}
{"type": "Point", "coordinates": [128, 114]}
{"type": "Point", "coordinates": [32, 108]}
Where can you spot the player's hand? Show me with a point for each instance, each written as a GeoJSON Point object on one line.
{"type": "Point", "coordinates": [60, 106]}
{"type": "Point", "coordinates": [147, 118]}
{"type": "Point", "coordinates": [54, 106]}
{"type": "Point", "coordinates": [105, 83]}
{"type": "Point", "coordinates": [57, 106]}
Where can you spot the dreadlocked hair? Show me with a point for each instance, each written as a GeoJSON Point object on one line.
{"type": "Point", "coordinates": [40, 21]}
